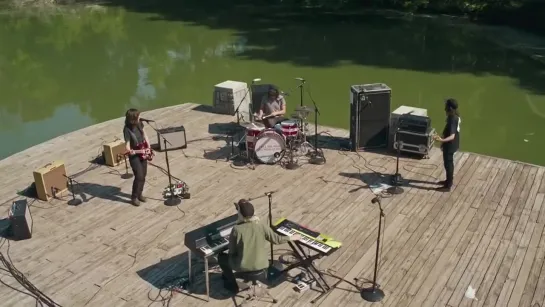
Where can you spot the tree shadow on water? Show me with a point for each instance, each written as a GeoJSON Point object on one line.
{"type": "Point", "coordinates": [325, 39]}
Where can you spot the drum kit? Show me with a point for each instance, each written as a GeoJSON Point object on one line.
{"type": "Point", "coordinates": [270, 146]}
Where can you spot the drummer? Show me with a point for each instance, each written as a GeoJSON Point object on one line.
{"type": "Point", "coordinates": [273, 108]}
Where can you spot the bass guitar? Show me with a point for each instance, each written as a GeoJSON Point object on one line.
{"type": "Point", "coordinates": [144, 151]}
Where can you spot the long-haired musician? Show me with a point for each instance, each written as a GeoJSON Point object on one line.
{"type": "Point", "coordinates": [247, 244]}
{"type": "Point", "coordinates": [450, 142]}
{"type": "Point", "coordinates": [273, 108]}
{"type": "Point", "coordinates": [135, 136]}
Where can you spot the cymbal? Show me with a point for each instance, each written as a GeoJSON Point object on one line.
{"type": "Point", "coordinates": [303, 109]}
{"type": "Point", "coordinates": [298, 116]}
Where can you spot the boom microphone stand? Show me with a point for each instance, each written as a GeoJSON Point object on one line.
{"type": "Point", "coordinates": [317, 157]}
{"type": "Point", "coordinates": [74, 201]}
{"type": "Point", "coordinates": [374, 294]}
{"type": "Point", "coordinates": [171, 200]}
{"type": "Point", "coordinates": [239, 116]}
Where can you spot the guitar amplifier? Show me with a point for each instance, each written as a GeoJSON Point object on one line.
{"type": "Point", "coordinates": [114, 153]}
{"type": "Point", "coordinates": [21, 220]}
{"type": "Point", "coordinates": [50, 180]}
{"type": "Point", "coordinates": [414, 142]}
{"type": "Point", "coordinates": [175, 136]}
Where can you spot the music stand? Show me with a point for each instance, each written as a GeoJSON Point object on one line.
{"type": "Point", "coordinates": [172, 200]}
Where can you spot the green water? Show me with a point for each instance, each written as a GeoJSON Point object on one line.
{"type": "Point", "coordinates": [65, 72]}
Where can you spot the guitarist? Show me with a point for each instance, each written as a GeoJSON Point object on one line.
{"type": "Point", "coordinates": [135, 137]}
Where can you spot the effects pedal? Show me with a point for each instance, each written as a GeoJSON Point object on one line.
{"type": "Point", "coordinates": [302, 287]}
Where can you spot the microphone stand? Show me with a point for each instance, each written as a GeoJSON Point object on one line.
{"type": "Point", "coordinates": [374, 294]}
{"type": "Point", "coordinates": [232, 155]}
{"type": "Point", "coordinates": [396, 178]}
{"type": "Point", "coordinates": [127, 175]}
{"type": "Point", "coordinates": [301, 89]}
{"type": "Point", "coordinates": [74, 201]}
{"type": "Point", "coordinates": [172, 200]}
{"type": "Point", "coordinates": [272, 271]}
{"type": "Point", "coordinates": [317, 157]}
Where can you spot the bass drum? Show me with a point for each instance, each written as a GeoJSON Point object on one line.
{"type": "Point", "coordinates": [270, 147]}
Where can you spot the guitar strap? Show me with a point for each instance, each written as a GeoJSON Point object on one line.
{"type": "Point", "coordinates": [133, 136]}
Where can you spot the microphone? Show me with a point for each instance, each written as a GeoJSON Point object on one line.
{"type": "Point", "coordinates": [300, 79]}
{"type": "Point", "coordinates": [146, 120]}
{"type": "Point", "coordinates": [271, 192]}
{"type": "Point", "coordinates": [284, 94]}
{"type": "Point", "coordinates": [256, 80]}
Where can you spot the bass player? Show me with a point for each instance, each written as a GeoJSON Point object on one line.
{"type": "Point", "coordinates": [138, 148]}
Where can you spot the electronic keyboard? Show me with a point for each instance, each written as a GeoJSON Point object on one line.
{"type": "Point", "coordinates": [310, 238]}
{"type": "Point", "coordinates": [211, 239]}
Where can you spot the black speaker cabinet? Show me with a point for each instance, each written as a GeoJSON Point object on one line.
{"type": "Point", "coordinates": [21, 220]}
{"type": "Point", "coordinates": [369, 115]}
{"type": "Point", "coordinates": [175, 136]}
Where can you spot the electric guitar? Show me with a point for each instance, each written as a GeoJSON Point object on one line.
{"type": "Point", "coordinates": [144, 151]}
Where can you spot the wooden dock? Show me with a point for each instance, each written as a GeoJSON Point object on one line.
{"type": "Point", "coordinates": [488, 233]}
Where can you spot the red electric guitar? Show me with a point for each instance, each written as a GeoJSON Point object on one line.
{"type": "Point", "coordinates": [144, 151]}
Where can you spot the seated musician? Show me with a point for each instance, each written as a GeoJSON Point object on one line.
{"type": "Point", "coordinates": [247, 246]}
{"type": "Point", "coordinates": [273, 108]}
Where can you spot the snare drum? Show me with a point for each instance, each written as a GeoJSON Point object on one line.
{"type": "Point", "coordinates": [270, 146]}
{"type": "Point", "coordinates": [251, 135]}
{"type": "Point", "coordinates": [290, 128]}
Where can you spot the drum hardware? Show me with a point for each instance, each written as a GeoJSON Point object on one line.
{"type": "Point", "coordinates": [397, 180]}
{"type": "Point", "coordinates": [300, 86]}
{"type": "Point", "coordinates": [292, 162]}
{"type": "Point", "coordinates": [317, 157]}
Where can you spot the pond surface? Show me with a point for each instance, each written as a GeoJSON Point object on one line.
{"type": "Point", "coordinates": [64, 72]}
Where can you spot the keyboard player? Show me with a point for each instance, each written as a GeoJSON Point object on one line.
{"type": "Point", "coordinates": [247, 246]}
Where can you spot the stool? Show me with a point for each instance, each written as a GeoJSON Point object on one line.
{"type": "Point", "coordinates": [252, 281]}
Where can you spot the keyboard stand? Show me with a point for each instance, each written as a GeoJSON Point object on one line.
{"type": "Point", "coordinates": [206, 276]}
{"type": "Point", "coordinates": [306, 261]}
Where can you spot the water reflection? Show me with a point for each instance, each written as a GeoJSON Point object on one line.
{"type": "Point", "coordinates": [106, 60]}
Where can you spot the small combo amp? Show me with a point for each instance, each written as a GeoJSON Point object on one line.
{"type": "Point", "coordinates": [369, 116]}
{"type": "Point", "coordinates": [20, 220]}
{"type": "Point", "coordinates": [114, 153]}
{"type": "Point", "coordinates": [175, 136]}
{"type": "Point", "coordinates": [414, 142]}
{"type": "Point", "coordinates": [50, 181]}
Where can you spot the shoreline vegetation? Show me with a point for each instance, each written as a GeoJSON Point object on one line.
{"type": "Point", "coordinates": [520, 14]}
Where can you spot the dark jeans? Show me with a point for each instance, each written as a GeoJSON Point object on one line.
{"type": "Point", "coordinates": [140, 170]}
{"type": "Point", "coordinates": [228, 274]}
{"type": "Point", "coordinates": [448, 161]}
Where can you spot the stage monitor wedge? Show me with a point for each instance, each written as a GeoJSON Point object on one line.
{"type": "Point", "coordinates": [369, 116]}
{"type": "Point", "coordinates": [21, 220]}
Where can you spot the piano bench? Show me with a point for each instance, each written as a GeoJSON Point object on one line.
{"type": "Point", "coordinates": [252, 280]}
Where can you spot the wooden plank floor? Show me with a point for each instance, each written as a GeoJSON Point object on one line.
{"type": "Point", "coordinates": [488, 233]}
